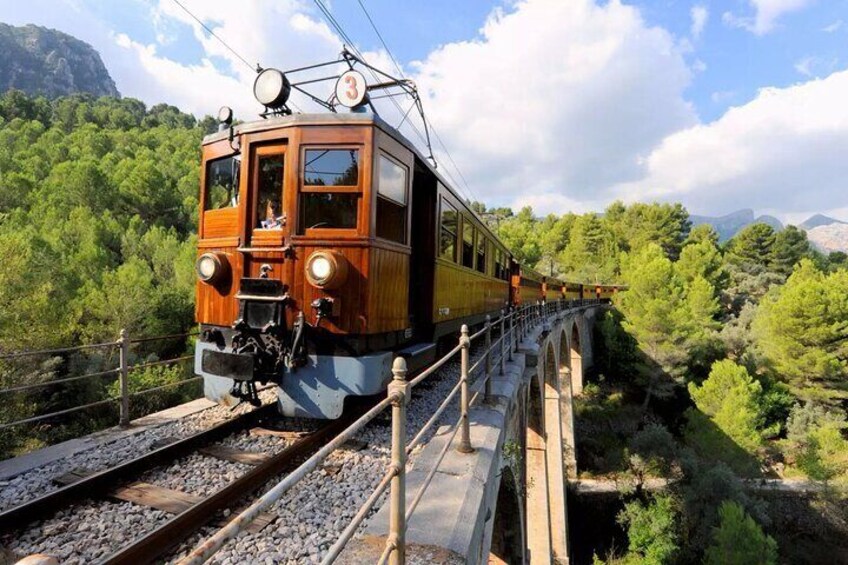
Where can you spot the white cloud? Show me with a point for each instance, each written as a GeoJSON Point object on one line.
{"type": "Point", "coordinates": [557, 98]}
{"type": "Point", "coordinates": [700, 14]}
{"type": "Point", "coordinates": [784, 150]}
{"type": "Point", "coordinates": [722, 96]}
{"type": "Point", "coordinates": [766, 14]}
{"type": "Point", "coordinates": [834, 27]}
{"type": "Point", "coordinates": [803, 66]}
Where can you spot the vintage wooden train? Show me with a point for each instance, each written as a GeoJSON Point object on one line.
{"type": "Point", "coordinates": [327, 246]}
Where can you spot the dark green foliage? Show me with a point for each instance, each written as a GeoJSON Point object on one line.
{"type": "Point", "coordinates": [790, 246]}
{"type": "Point", "coordinates": [801, 330]}
{"type": "Point", "coordinates": [739, 540]}
{"type": "Point", "coordinates": [98, 206]}
{"type": "Point", "coordinates": [616, 352]}
{"type": "Point", "coordinates": [652, 529]}
{"type": "Point", "coordinates": [752, 246]}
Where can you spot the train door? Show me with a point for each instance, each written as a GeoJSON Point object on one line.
{"type": "Point", "coordinates": [267, 221]}
{"type": "Point", "coordinates": [422, 268]}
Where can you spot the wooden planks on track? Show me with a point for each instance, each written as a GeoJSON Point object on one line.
{"type": "Point", "coordinates": [234, 455]}
{"type": "Point", "coordinates": [165, 499]}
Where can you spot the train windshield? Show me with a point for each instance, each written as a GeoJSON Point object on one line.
{"type": "Point", "coordinates": [331, 189]}
{"type": "Point", "coordinates": [222, 183]}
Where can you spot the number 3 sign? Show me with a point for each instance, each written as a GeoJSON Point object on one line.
{"type": "Point", "coordinates": [351, 89]}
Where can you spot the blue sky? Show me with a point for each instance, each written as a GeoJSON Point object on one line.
{"type": "Point", "coordinates": [560, 104]}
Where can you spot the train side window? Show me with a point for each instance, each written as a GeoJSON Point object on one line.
{"type": "Point", "coordinates": [391, 200]}
{"type": "Point", "coordinates": [467, 243]}
{"type": "Point", "coordinates": [447, 234]}
{"type": "Point", "coordinates": [222, 178]}
{"type": "Point", "coordinates": [498, 260]}
{"type": "Point", "coordinates": [269, 184]}
{"type": "Point", "coordinates": [482, 243]}
{"type": "Point", "coordinates": [330, 194]}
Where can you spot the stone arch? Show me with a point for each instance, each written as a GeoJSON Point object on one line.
{"type": "Point", "coordinates": [567, 405]}
{"type": "Point", "coordinates": [576, 359]}
{"type": "Point", "coordinates": [508, 544]}
{"type": "Point", "coordinates": [553, 392]}
{"type": "Point", "coordinates": [535, 471]}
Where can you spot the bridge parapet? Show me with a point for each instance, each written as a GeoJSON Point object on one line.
{"type": "Point", "coordinates": [506, 499]}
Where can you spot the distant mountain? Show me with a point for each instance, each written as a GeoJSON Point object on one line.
{"type": "Point", "coordinates": [727, 226]}
{"type": "Point", "coordinates": [817, 220]}
{"type": "Point", "coordinates": [44, 61]}
{"type": "Point", "coordinates": [830, 237]}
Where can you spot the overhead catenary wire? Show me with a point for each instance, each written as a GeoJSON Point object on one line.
{"type": "Point", "coordinates": [253, 68]}
{"type": "Point", "coordinates": [447, 152]}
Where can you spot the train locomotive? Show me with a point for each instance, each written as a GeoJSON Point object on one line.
{"type": "Point", "coordinates": [328, 245]}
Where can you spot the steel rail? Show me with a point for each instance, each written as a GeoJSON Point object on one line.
{"type": "Point", "coordinates": [211, 545]}
{"type": "Point", "coordinates": [155, 544]}
{"type": "Point", "coordinates": [45, 505]}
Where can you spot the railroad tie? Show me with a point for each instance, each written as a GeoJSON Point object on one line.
{"type": "Point", "coordinates": [160, 498]}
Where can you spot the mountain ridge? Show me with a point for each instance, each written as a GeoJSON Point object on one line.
{"type": "Point", "coordinates": [42, 61]}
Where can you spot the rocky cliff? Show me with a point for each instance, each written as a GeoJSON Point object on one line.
{"type": "Point", "coordinates": [44, 61]}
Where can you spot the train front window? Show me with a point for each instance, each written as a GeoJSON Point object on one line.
{"type": "Point", "coordinates": [331, 167]}
{"type": "Point", "coordinates": [331, 189]}
{"type": "Point", "coordinates": [328, 210]}
{"type": "Point", "coordinates": [391, 200]}
{"type": "Point", "coordinates": [269, 184]}
{"type": "Point", "coordinates": [222, 177]}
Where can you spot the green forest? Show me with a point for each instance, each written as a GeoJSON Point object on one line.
{"type": "Point", "coordinates": [98, 208]}
{"type": "Point", "coordinates": [720, 362]}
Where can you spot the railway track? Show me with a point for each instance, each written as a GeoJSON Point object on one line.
{"type": "Point", "coordinates": [189, 512]}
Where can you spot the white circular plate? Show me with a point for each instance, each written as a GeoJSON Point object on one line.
{"type": "Point", "coordinates": [350, 89]}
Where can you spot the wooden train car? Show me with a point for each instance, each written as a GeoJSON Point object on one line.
{"type": "Point", "coordinates": [553, 289]}
{"type": "Point", "coordinates": [528, 286]}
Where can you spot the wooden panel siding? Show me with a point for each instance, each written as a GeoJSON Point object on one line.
{"type": "Point", "coordinates": [217, 304]}
{"type": "Point", "coordinates": [388, 286]}
{"type": "Point", "coordinates": [461, 292]}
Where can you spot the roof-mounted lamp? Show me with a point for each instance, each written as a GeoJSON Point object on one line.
{"type": "Point", "coordinates": [272, 89]}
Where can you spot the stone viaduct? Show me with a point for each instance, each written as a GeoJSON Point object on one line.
{"type": "Point", "coordinates": [506, 501]}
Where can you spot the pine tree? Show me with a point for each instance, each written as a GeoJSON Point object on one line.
{"type": "Point", "coordinates": [739, 540]}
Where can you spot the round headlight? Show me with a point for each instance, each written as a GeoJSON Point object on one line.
{"type": "Point", "coordinates": [211, 267]}
{"type": "Point", "coordinates": [320, 268]}
{"type": "Point", "coordinates": [326, 269]}
{"type": "Point", "coordinates": [271, 88]}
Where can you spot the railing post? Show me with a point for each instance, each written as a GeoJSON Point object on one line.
{"type": "Point", "coordinates": [504, 344]}
{"type": "Point", "coordinates": [488, 387]}
{"type": "Point", "coordinates": [513, 342]}
{"type": "Point", "coordinates": [124, 359]}
{"type": "Point", "coordinates": [397, 496]}
{"type": "Point", "coordinates": [465, 431]}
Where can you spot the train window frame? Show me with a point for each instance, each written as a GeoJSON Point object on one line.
{"type": "Point", "coordinates": [343, 191]}
{"type": "Point", "coordinates": [443, 202]}
{"type": "Point", "coordinates": [388, 200]}
{"type": "Point", "coordinates": [259, 153]}
{"type": "Point", "coordinates": [481, 260]}
{"type": "Point", "coordinates": [468, 227]}
{"type": "Point", "coordinates": [234, 196]}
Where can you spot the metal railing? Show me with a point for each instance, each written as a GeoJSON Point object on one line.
{"type": "Point", "coordinates": [122, 371]}
{"type": "Point", "coordinates": [513, 327]}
